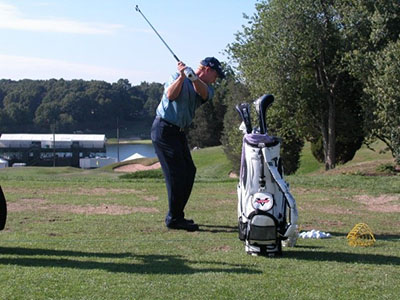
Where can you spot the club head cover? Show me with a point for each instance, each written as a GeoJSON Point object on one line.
{"type": "Point", "coordinates": [244, 111]}
{"type": "Point", "coordinates": [264, 102]}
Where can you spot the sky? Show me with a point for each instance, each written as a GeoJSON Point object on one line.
{"type": "Point", "coordinates": [109, 40]}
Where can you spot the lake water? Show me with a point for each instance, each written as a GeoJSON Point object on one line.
{"type": "Point", "coordinates": [125, 151]}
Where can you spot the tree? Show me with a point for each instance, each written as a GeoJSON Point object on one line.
{"type": "Point", "coordinates": [235, 92]}
{"type": "Point", "coordinates": [232, 137]}
{"type": "Point", "coordinates": [47, 114]}
{"type": "Point", "coordinates": [376, 26]}
{"type": "Point", "coordinates": [151, 94]}
{"type": "Point", "coordinates": [208, 123]}
{"type": "Point", "coordinates": [384, 90]}
{"type": "Point", "coordinates": [294, 50]}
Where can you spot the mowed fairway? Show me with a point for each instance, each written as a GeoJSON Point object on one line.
{"type": "Point", "coordinates": [75, 234]}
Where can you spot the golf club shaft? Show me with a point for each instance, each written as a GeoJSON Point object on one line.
{"type": "Point", "coordinates": [177, 59]}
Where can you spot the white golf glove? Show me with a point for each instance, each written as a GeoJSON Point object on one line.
{"type": "Point", "coordinates": [190, 74]}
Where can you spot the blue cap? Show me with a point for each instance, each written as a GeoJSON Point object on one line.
{"type": "Point", "coordinates": [213, 63]}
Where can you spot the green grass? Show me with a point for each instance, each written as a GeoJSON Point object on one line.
{"type": "Point", "coordinates": [55, 246]}
{"type": "Point", "coordinates": [308, 163]}
{"type": "Point", "coordinates": [125, 141]}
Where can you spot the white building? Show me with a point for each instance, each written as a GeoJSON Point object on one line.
{"type": "Point", "coordinates": [49, 149]}
{"type": "Point", "coordinates": [25, 140]}
{"type": "Point", "coordinates": [3, 163]}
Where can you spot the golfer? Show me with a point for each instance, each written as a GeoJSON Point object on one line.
{"type": "Point", "coordinates": [183, 94]}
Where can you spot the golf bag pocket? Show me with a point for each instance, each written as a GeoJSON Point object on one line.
{"type": "Point", "coordinates": [242, 230]}
{"type": "Point", "coordinates": [262, 230]}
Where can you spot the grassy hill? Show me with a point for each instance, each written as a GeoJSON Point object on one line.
{"type": "Point", "coordinates": [90, 234]}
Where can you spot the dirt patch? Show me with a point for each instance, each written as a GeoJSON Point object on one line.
{"type": "Point", "coordinates": [102, 209]}
{"type": "Point", "coordinates": [382, 203]}
{"type": "Point", "coordinates": [96, 191]}
{"type": "Point", "coordinates": [26, 204]}
{"type": "Point", "coordinates": [233, 175]}
{"type": "Point", "coordinates": [150, 198]}
{"type": "Point", "coordinates": [104, 191]}
{"type": "Point", "coordinates": [328, 209]}
{"type": "Point", "coordinates": [131, 168]}
{"type": "Point", "coordinates": [224, 248]}
{"type": "Point", "coordinates": [99, 191]}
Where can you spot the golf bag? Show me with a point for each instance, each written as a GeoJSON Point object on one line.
{"type": "Point", "coordinates": [267, 212]}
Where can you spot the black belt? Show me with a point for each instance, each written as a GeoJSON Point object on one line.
{"type": "Point", "coordinates": [170, 124]}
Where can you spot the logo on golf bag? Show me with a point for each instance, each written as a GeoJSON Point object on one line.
{"type": "Point", "coordinates": [263, 201]}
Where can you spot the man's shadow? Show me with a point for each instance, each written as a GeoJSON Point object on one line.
{"type": "Point", "coordinates": [140, 264]}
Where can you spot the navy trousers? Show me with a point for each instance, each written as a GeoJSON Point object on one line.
{"type": "Point", "coordinates": [172, 149]}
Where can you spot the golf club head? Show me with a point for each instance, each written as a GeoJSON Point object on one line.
{"type": "Point", "coordinates": [3, 210]}
{"type": "Point", "coordinates": [244, 112]}
{"type": "Point", "coordinates": [264, 102]}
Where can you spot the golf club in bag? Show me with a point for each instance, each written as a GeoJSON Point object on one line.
{"type": "Point", "coordinates": [3, 210]}
{"type": "Point", "coordinates": [267, 212]}
{"type": "Point", "coordinates": [188, 71]}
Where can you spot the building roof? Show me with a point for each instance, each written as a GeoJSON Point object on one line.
{"type": "Point", "coordinates": [49, 137]}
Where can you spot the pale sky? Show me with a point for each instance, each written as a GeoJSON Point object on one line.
{"type": "Point", "coordinates": [108, 40]}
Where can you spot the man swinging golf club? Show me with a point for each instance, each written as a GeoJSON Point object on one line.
{"type": "Point", "coordinates": [183, 94]}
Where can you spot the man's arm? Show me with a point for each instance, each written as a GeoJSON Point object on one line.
{"type": "Point", "coordinates": [175, 88]}
{"type": "Point", "coordinates": [201, 88]}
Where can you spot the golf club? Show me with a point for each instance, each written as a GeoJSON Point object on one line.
{"type": "Point", "coordinates": [244, 111]}
{"type": "Point", "coordinates": [263, 103]}
{"type": "Point", "coordinates": [138, 10]}
{"type": "Point", "coordinates": [188, 71]}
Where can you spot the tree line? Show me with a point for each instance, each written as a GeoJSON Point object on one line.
{"type": "Point", "coordinates": [75, 105]}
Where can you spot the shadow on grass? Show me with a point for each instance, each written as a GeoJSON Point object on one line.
{"type": "Point", "coordinates": [343, 257]}
{"type": "Point", "coordinates": [143, 264]}
{"type": "Point", "coordinates": [338, 234]}
{"type": "Point", "coordinates": [384, 237]}
{"type": "Point", "coordinates": [50, 252]}
{"type": "Point", "coordinates": [387, 237]}
{"type": "Point", "coordinates": [308, 247]}
{"type": "Point", "coordinates": [218, 228]}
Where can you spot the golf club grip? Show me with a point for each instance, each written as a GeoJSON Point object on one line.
{"type": "Point", "coordinates": [3, 210]}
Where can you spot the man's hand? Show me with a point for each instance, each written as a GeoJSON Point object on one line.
{"type": "Point", "coordinates": [190, 74]}
{"type": "Point", "coordinates": [181, 69]}
{"type": "Point", "coordinates": [186, 71]}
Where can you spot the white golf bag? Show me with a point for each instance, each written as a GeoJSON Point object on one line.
{"type": "Point", "coordinates": [267, 212]}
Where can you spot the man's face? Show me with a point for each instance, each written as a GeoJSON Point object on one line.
{"type": "Point", "coordinates": [209, 75]}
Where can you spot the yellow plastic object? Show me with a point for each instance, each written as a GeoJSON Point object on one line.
{"type": "Point", "coordinates": [361, 235]}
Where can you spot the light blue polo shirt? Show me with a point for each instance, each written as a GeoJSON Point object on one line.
{"type": "Point", "coordinates": [181, 111]}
